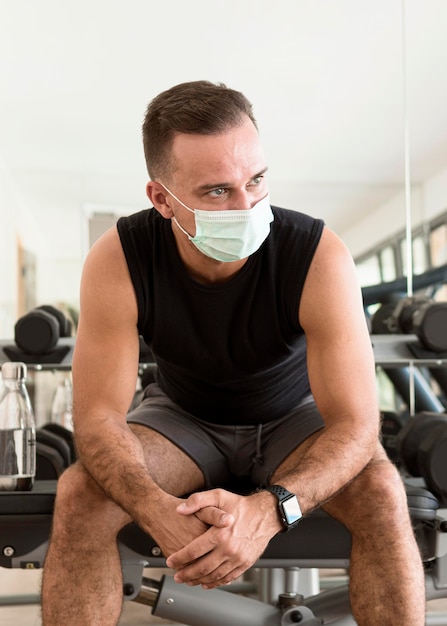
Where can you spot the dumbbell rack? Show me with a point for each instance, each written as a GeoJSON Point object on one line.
{"type": "Point", "coordinates": [399, 350]}
{"type": "Point", "coordinates": [42, 363]}
{"type": "Point", "coordinates": [403, 359]}
{"type": "Point", "coordinates": [37, 363]}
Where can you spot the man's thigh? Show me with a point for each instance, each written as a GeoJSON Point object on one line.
{"type": "Point", "coordinates": [285, 441]}
{"type": "Point", "coordinates": [191, 446]}
{"type": "Point", "coordinates": [171, 468]}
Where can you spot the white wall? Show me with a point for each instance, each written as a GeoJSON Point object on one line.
{"type": "Point", "coordinates": [9, 218]}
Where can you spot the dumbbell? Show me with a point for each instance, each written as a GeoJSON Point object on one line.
{"type": "Point", "coordinates": [38, 331]}
{"type": "Point", "coordinates": [54, 451]}
{"type": "Point", "coordinates": [423, 317]}
{"type": "Point", "coordinates": [432, 460]}
{"type": "Point", "coordinates": [379, 320]}
{"type": "Point", "coordinates": [63, 433]}
{"type": "Point", "coordinates": [391, 425]}
{"type": "Point", "coordinates": [422, 447]}
{"type": "Point", "coordinates": [429, 323]}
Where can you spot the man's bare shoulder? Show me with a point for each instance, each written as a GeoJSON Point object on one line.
{"type": "Point", "coordinates": [106, 257]}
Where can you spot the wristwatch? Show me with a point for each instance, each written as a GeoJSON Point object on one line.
{"type": "Point", "coordinates": [288, 505]}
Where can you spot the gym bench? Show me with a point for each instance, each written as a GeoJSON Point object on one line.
{"type": "Point", "coordinates": [318, 542]}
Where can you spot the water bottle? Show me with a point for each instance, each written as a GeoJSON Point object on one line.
{"type": "Point", "coordinates": [61, 410]}
{"type": "Point", "coordinates": [17, 431]}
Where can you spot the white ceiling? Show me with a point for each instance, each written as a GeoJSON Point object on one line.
{"type": "Point", "coordinates": [325, 77]}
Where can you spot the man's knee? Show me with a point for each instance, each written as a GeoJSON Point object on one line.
{"type": "Point", "coordinates": [380, 480]}
{"type": "Point", "coordinates": [74, 485]}
{"type": "Point", "coordinates": [79, 497]}
{"type": "Point", "coordinates": [376, 494]}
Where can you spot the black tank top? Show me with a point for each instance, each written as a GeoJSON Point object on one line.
{"type": "Point", "coordinates": [232, 353]}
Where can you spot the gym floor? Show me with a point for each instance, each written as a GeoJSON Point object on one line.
{"type": "Point", "coordinates": [23, 582]}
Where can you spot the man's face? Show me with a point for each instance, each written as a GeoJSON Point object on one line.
{"type": "Point", "coordinates": [217, 172]}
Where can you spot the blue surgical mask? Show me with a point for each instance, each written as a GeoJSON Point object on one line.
{"type": "Point", "coordinates": [229, 235]}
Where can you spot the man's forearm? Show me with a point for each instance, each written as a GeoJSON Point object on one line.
{"type": "Point", "coordinates": [334, 457]}
{"type": "Point", "coordinates": [114, 457]}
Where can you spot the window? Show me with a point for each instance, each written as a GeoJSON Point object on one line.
{"type": "Point", "coordinates": [369, 271]}
{"type": "Point", "coordinates": [419, 255]}
{"type": "Point", "coordinates": [438, 245]}
{"type": "Point", "coordinates": [388, 264]}
{"type": "Point", "coordinates": [388, 261]}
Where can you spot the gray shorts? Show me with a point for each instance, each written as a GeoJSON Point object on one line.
{"type": "Point", "coordinates": [226, 452]}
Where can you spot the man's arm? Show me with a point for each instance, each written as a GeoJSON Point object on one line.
{"type": "Point", "coordinates": [342, 377]}
{"type": "Point", "coordinates": [105, 363]}
{"type": "Point", "coordinates": [105, 367]}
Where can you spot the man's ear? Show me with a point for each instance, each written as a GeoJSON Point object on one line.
{"type": "Point", "coordinates": [160, 199]}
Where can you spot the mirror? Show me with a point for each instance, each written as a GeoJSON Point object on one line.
{"type": "Point", "coordinates": [325, 79]}
{"type": "Point", "coordinates": [420, 243]}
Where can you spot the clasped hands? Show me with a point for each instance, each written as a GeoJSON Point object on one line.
{"type": "Point", "coordinates": [238, 528]}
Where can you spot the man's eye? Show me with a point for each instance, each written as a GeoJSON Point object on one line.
{"type": "Point", "coordinates": [258, 179]}
{"type": "Point", "coordinates": [218, 192]}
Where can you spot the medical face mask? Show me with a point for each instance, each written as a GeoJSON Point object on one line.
{"type": "Point", "coordinates": [229, 235]}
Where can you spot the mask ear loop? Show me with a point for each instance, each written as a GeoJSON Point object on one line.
{"type": "Point", "coordinates": [175, 198]}
{"type": "Point", "coordinates": [174, 219]}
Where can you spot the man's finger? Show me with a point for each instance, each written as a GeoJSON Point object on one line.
{"type": "Point", "coordinates": [193, 551]}
{"type": "Point", "coordinates": [212, 516]}
{"type": "Point", "coordinates": [198, 501]}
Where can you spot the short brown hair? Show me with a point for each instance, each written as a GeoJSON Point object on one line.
{"type": "Point", "coordinates": [199, 107]}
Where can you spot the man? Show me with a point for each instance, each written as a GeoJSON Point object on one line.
{"type": "Point", "coordinates": [248, 311]}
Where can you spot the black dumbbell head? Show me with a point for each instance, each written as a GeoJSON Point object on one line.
{"type": "Point", "coordinates": [405, 319]}
{"type": "Point", "coordinates": [64, 322]}
{"type": "Point", "coordinates": [37, 332]}
{"type": "Point", "coordinates": [430, 325]}
{"type": "Point", "coordinates": [432, 460]}
{"type": "Point", "coordinates": [392, 424]}
{"type": "Point", "coordinates": [380, 318]}
{"type": "Point", "coordinates": [411, 436]}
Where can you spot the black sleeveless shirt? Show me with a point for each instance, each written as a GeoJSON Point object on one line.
{"type": "Point", "coordinates": [232, 353]}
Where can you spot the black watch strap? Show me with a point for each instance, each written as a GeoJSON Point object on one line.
{"type": "Point", "coordinates": [280, 492]}
{"type": "Point", "coordinates": [288, 506]}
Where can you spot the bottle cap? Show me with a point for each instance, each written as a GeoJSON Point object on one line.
{"type": "Point", "coordinates": [14, 370]}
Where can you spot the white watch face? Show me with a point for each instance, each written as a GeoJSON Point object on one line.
{"type": "Point", "coordinates": [292, 511]}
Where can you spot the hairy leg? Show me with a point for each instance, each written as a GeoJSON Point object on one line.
{"type": "Point", "coordinates": [386, 574]}
{"type": "Point", "coordinates": [82, 580]}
